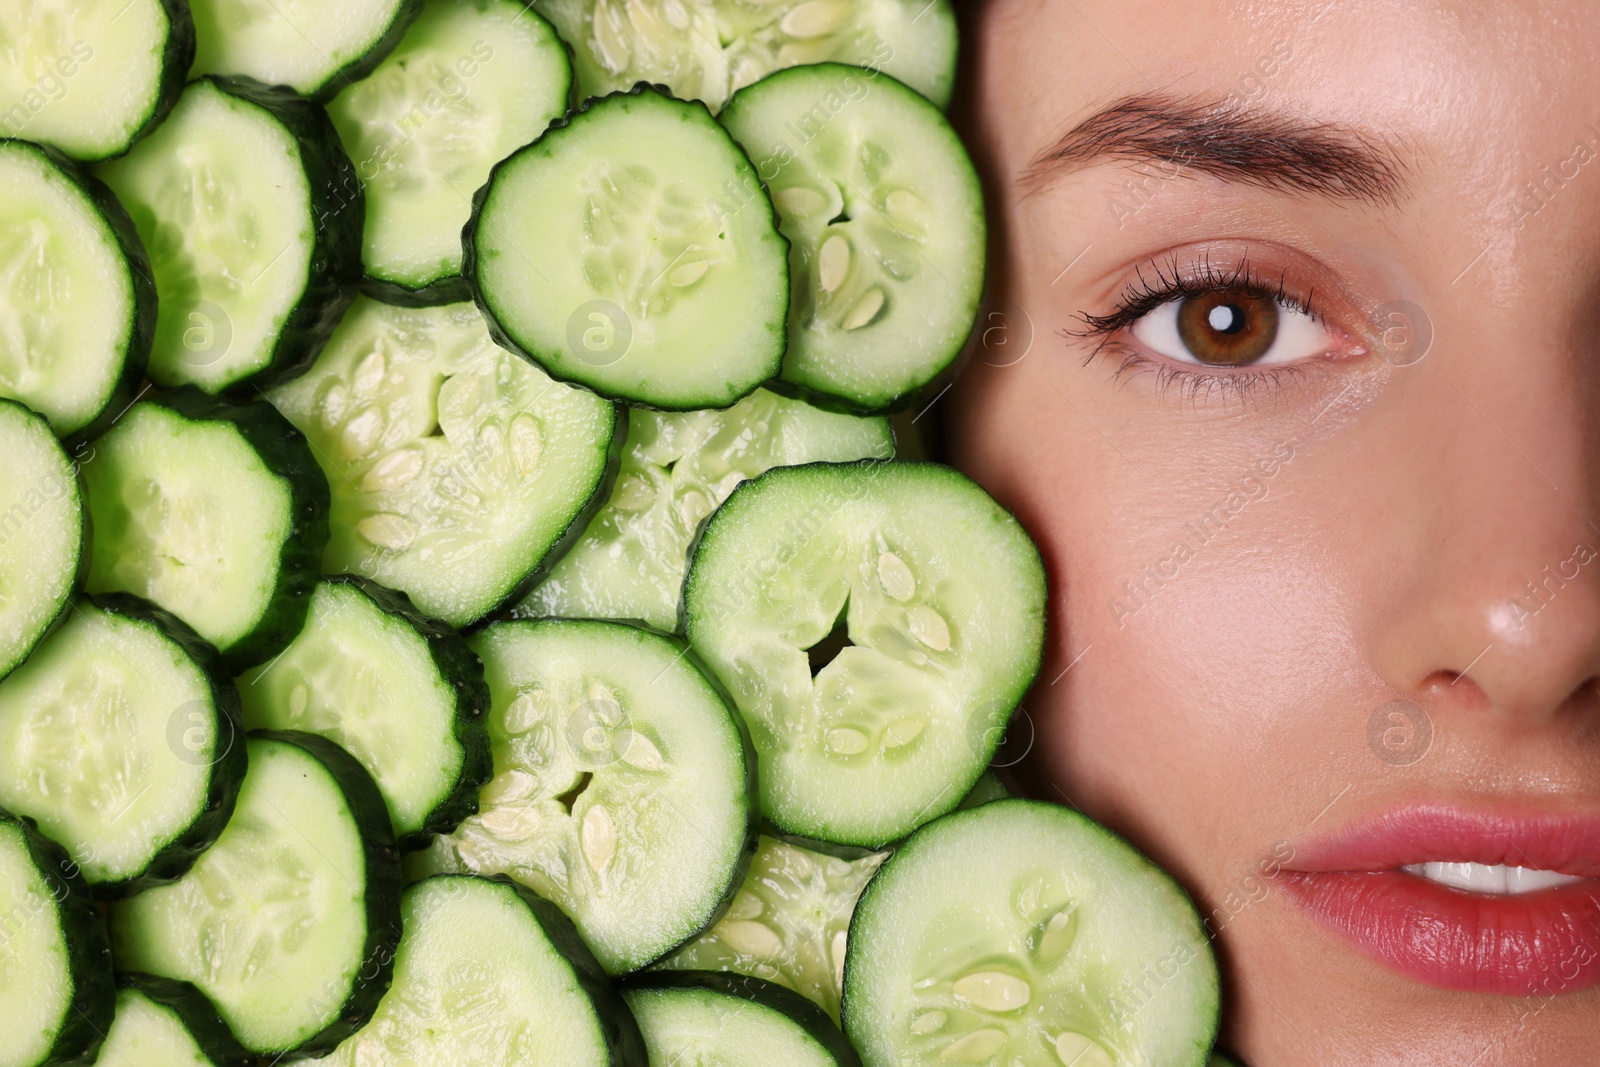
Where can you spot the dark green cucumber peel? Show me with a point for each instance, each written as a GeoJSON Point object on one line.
{"type": "Point", "coordinates": [227, 764]}
{"type": "Point", "coordinates": [781, 999]}
{"type": "Point", "coordinates": [404, 15]}
{"type": "Point", "coordinates": [142, 330]}
{"type": "Point", "coordinates": [285, 451]}
{"type": "Point", "coordinates": [94, 996]}
{"type": "Point", "coordinates": [196, 1012]}
{"type": "Point", "coordinates": [382, 889]}
{"type": "Point", "coordinates": [520, 589]}
{"type": "Point", "coordinates": [338, 209]}
{"type": "Point", "coordinates": [461, 669]}
{"type": "Point", "coordinates": [469, 251]}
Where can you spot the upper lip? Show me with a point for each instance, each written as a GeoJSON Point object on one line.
{"type": "Point", "coordinates": [1563, 842]}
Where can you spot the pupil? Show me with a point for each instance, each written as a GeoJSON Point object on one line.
{"type": "Point", "coordinates": [1226, 318]}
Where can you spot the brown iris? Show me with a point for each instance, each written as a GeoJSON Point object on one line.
{"type": "Point", "coordinates": [1228, 327]}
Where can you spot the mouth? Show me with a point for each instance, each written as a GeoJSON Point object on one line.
{"type": "Point", "coordinates": [1500, 902]}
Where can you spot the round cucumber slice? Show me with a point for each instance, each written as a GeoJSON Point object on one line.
{"type": "Point", "coordinates": [119, 737]}
{"type": "Point", "coordinates": [942, 597]}
{"type": "Point", "coordinates": [56, 995]}
{"type": "Point", "coordinates": [400, 692]}
{"type": "Point", "coordinates": [214, 511]}
{"type": "Point", "coordinates": [632, 250]}
{"type": "Point", "coordinates": [884, 216]}
{"type": "Point", "coordinates": [77, 302]}
{"type": "Point", "coordinates": [622, 790]}
{"type": "Point", "coordinates": [706, 50]}
{"type": "Point", "coordinates": [252, 215]}
{"type": "Point", "coordinates": [289, 922]}
{"type": "Point", "coordinates": [457, 469]}
{"type": "Point", "coordinates": [41, 532]}
{"type": "Point", "coordinates": [314, 48]}
{"type": "Point", "coordinates": [788, 922]}
{"type": "Point", "coordinates": [490, 975]}
{"type": "Point", "coordinates": [1019, 931]}
{"type": "Point", "coordinates": [162, 1023]}
{"type": "Point", "coordinates": [677, 468]}
{"type": "Point", "coordinates": [470, 82]}
{"type": "Point", "coordinates": [90, 77]}
{"type": "Point", "coordinates": [716, 1019]}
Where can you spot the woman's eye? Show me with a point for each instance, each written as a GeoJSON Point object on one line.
{"type": "Point", "coordinates": [1231, 328]}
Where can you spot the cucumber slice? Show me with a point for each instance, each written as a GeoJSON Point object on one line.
{"type": "Point", "coordinates": [457, 469]}
{"type": "Point", "coordinates": [677, 468]}
{"type": "Point", "coordinates": [713, 1018]}
{"type": "Point", "coordinates": [56, 996]}
{"type": "Point", "coordinates": [399, 691]}
{"type": "Point", "coordinates": [90, 77]}
{"type": "Point", "coordinates": [1219, 1060]}
{"type": "Point", "coordinates": [289, 922]}
{"type": "Point", "coordinates": [989, 788]}
{"type": "Point", "coordinates": [215, 512]}
{"type": "Point", "coordinates": [622, 790]}
{"type": "Point", "coordinates": [490, 975]}
{"type": "Point", "coordinates": [942, 596]}
{"type": "Point", "coordinates": [77, 303]}
{"type": "Point", "coordinates": [788, 923]}
{"type": "Point", "coordinates": [631, 250]}
{"type": "Point", "coordinates": [314, 48]}
{"type": "Point", "coordinates": [119, 738]}
{"type": "Point", "coordinates": [252, 215]}
{"type": "Point", "coordinates": [471, 81]}
{"type": "Point", "coordinates": [707, 50]}
{"type": "Point", "coordinates": [162, 1023]}
{"type": "Point", "coordinates": [1018, 929]}
{"type": "Point", "coordinates": [41, 532]}
{"type": "Point", "coordinates": [884, 216]}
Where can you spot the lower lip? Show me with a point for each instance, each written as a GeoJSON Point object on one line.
{"type": "Point", "coordinates": [1533, 944]}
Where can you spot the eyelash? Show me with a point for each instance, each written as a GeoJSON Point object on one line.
{"type": "Point", "coordinates": [1172, 282]}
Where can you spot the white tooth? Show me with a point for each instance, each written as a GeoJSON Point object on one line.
{"type": "Point", "coordinates": [1497, 879]}
{"type": "Point", "coordinates": [1528, 880]}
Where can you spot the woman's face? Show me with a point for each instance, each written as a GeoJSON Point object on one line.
{"type": "Point", "coordinates": [1290, 367]}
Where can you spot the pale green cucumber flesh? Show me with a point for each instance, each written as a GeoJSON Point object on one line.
{"type": "Point", "coordinates": [942, 594]}
{"type": "Point", "coordinates": [306, 45]}
{"type": "Point", "coordinates": [621, 788]}
{"type": "Point", "coordinates": [469, 83]}
{"type": "Point", "coordinates": [36, 981]}
{"type": "Point", "coordinates": [41, 532]}
{"type": "Point", "coordinates": [1022, 932]}
{"type": "Point", "coordinates": [714, 1029]}
{"type": "Point", "coordinates": [707, 51]}
{"type": "Point", "coordinates": [677, 468]}
{"type": "Point", "coordinates": [455, 467]}
{"type": "Point", "coordinates": [632, 250]}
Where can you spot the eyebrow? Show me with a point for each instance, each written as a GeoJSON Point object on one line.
{"type": "Point", "coordinates": [1266, 149]}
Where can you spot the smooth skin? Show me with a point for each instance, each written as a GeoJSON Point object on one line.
{"type": "Point", "coordinates": [1385, 518]}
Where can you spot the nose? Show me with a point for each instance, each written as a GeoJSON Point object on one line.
{"type": "Point", "coordinates": [1502, 587]}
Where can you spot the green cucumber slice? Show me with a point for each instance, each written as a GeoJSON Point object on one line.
{"type": "Point", "coordinates": [214, 511]}
{"type": "Point", "coordinates": [400, 692]}
{"type": "Point", "coordinates": [884, 216]}
{"type": "Point", "coordinates": [289, 922]}
{"type": "Point", "coordinates": [56, 996]}
{"type": "Point", "coordinates": [942, 595]}
{"type": "Point", "coordinates": [707, 50]}
{"type": "Point", "coordinates": [725, 1019]}
{"type": "Point", "coordinates": [1018, 930]}
{"type": "Point", "coordinates": [42, 532]}
{"type": "Point", "coordinates": [119, 737]}
{"type": "Point", "coordinates": [490, 975]}
{"type": "Point", "coordinates": [788, 922]}
{"type": "Point", "coordinates": [989, 788]}
{"type": "Point", "coordinates": [90, 77]}
{"type": "Point", "coordinates": [77, 303]}
{"type": "Point", "coordinates": [162, 1023]}
{"type": "Point", "coordinates": [252, 215]}
{"type": "Point", "coordinates": [622, 790]}
{"type": "Point", "coordinates": [457, 469]}
{"type": "Point", "coordinates": [631, 250]}
{"type": "Point", "coordinates": [677, 468]}
{"type": "Point", "coordinates": [471, 81]}
{"type": "Point", "coordinates": [1219, 1060]}
{"type": "Point", "coordinates": [315, 49]}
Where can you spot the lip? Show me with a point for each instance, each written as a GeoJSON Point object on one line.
{"type": "Point", "coordinates": [1535, 944]}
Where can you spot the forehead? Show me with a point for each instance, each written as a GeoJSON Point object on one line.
{"type": "Point", "coordinates": [1463, 85]}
